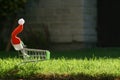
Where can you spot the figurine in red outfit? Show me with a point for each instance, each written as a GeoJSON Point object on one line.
{"type": "Point", "coordinates": [15, 40]}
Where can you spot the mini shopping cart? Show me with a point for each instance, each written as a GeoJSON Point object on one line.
{"type": "Point", "coordinates": [32, 55]}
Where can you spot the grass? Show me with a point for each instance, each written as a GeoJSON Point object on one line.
{"type": "Point", "coordinates": [78, 54]}
{"type": "Point", "coordinates": [85, 62]}
{"type": "Point", "coordinates": [92, 67]}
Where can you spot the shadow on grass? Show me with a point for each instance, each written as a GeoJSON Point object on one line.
{"type": "Point", "coordinates": [10, 54]}
{"type": "Point", "coordinates": [79, 76]}
{"type": "Point", "coordinates": [77, 54]}
{"type": "Point", "coordinates": [88, 53]}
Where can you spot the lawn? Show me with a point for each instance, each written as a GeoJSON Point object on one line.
{"type": "Point", "coordinates": [84, 64]}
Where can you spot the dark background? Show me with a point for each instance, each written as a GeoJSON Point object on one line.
{"type": "Point", "coordinates": [108, 23]}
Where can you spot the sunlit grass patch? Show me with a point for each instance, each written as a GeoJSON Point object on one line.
{"type": "Point", "coordinates": [93, 67]}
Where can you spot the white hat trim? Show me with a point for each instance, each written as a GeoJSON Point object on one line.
{"type": "Point", "coordinates": [18, 46]}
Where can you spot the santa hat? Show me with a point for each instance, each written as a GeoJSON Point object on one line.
{"type": "Point", "coordinates": [15, 40]}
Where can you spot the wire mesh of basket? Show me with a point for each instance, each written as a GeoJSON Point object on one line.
{"type": "Point", "coordinates": [34, 54]}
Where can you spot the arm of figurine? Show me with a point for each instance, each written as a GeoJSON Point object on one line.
{"type": "Point", "coordinates": [23, 44]}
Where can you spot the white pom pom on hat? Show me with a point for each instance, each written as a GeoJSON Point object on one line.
{"type": "Point", "coordinates": [21, 21]}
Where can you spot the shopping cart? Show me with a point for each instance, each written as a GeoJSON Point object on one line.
{"type": "Point", "coordinates": [32, 55]}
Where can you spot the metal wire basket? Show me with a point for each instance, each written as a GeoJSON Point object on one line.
{"type": "Point", "coordinates": [30, 55]}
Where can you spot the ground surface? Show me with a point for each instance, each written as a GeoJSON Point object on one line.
{"type": "Point", "coordinates": [113, 53]}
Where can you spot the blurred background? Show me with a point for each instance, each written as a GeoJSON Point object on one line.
{"type": "Point", "coordinates": [61, 24]}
